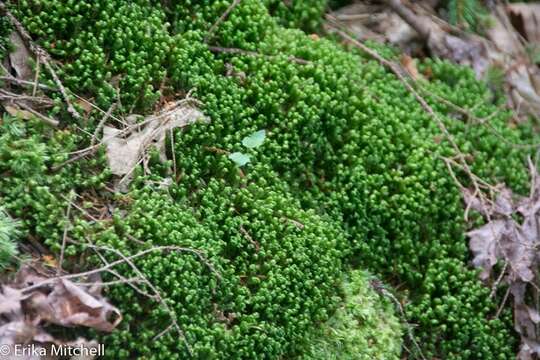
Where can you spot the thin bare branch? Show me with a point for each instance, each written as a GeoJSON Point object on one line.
{"type": "Point", "coordinates": [64, 236]}
{"type": "Point", "coordinates": [222, 18]}
{"type": "Point", "coordinates": [102, 123]}
{"type": "Point", "coordinates": [39, 115]}
{"type": "Point", "coordinates": [25, 83]}
{"type": "Point", "coordinates": [157, 294]}
{"type": "Point", "coordinates": [36, 78]}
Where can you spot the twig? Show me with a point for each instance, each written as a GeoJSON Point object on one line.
{"type": "Point", "coordinates": [42, 56]}
{"type": "Point", "coordinates": [17, 98]}
{"type": "Point", "coordinates": [64, 236]}
{"type": "Point", "coordinates": [501, 307]}
{"type": "Point", "coordinates": [36, 78]}
{"type": "Point", "coordinates": [37, 244]}
{"type": "Point", "coordinates": [173, 152]}
{"type": "Point", "coordinates": [126, 178]}
{"type": "Point", "coordinates": [296, 223]}
{"type": "Point", "coordinates": [44, 118]}
{"type": "Point", "coordinates": [483, 121]}
{"type": "Point", "coordinates": [237, 51]}
{"type": "Point", "coordinates": [479, 180]}
{"type": "Point", "coordinates": [135, 240]}
{"type": "Point", "coordinates": [222, 18]}
{"type": "Point", "coordinates": [101, 110]}
{"type": "Point", "coordinates": [93, 146]}
{"type": "Point", "coordinates": [379, 287]}
{"type": "Point", "coordinates": [353, 17]}
{"type": "Point", "coordinates": [75, 158]}
{"type": "Point", "coordinates": [104, 260]}
{"type": "Point", "coordinates": [216, 150]}
{"type": "Point", "coordinates": [248, 236]}
{"type": "Point", "coordinates": [158, 297]}
{"type": "Point", "coordinates": [122, 278]}
{"type": "Point", "coordinates": [108, 266]}
{"type": "Point", "coordinates": [21, 82]}
{"type": "Point", "coordinates": [110, 283]}
{"type": "Point", "coordinates": [498, 281]}
{"type": "Point", "coordinates": [477, 193]}
{"type": "Point", "coordinates": [167, 329]}
{"type": "Point", "coordinates": [102, 123]}
{"type": "Point", "coordinates": [421, 27]}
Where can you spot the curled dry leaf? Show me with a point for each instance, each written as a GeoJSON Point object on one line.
{"type": "Point", "coordinates": [69, 305]}
{"type": "Point", "coordinates": [24, 314]}
{"type": "Point", "coordinates": [514, 240]}
{"type": "Point", "coordinates": [125, 148]}
{"type": "Point", "coordinates": [483, 245]}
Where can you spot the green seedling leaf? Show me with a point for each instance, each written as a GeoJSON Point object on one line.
{"type": "Point", "coordinates": [239, 158]}
{"type": "Point", "coordinates": [254, 140]}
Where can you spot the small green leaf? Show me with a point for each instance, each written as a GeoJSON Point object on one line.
{"type": "Point", "coordinates": [254, 140]}
{"type": "Point", "coordinates": [239, 158]}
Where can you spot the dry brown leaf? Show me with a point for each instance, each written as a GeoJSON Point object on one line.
{"type": "Point", "coordinates": [10, 302]}
{"type": "Point", "coordinates": [24, 314]}
{"type": "Point", "coordinates": [526, 19]}
{"type": "Point", "coordinates": [50, 261]}
{"type": "Point", "coordinates": [15, 111]}
{"type": "Point", "coordinates": [483, 245]}
{"type": "Point", "coordinates": [70, 305]}
{"type": "Point", "coordinates": [504, 203]}
{"type": "Point", "coordinates": [473, 202]}
{"type": "Point", "coordinates": [415, 26]}
{"type": "Point", "coordinates": [20, 58]}
{"type": "Point", "coordinates": [410, 65]}
{"type": "Point", "coordinates": [515, 242]}
{"type": "Point", "coordinates": [123, 154]}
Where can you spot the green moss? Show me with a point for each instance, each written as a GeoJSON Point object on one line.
{"type": "Point", "coordinates": [364, 327]}
{"type": "Point", "coordinates": [349, 153]}
{"type": "Point", "coordinates": [303, 14]}
{"type": "Point", "coordinates": [277, 267]}
{"type": "Point", "coordinates": [5, 30]}
{"type": "Point", "coordinates": [31, 190]}
{"type": "Point", "coordinates": [8, 235]}
{"type": "Point", "coordinates": [449, 295]}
